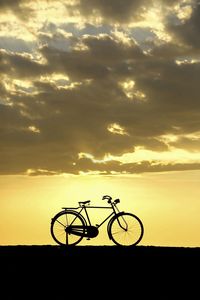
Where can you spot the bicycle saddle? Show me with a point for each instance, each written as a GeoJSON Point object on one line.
{"type": "Point", "coordinates": [84, 202]}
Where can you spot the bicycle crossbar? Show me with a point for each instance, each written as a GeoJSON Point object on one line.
{"type": "Point", "coordinates": [110, 207]}
{"type": "Point", "coordinates": [70, 207]}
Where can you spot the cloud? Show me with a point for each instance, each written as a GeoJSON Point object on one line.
{"type": "Point", "coordinates": [96, 89]}
{"type": "Point", "coordinates": [115, 168]}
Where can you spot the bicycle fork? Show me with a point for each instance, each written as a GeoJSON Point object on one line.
{"type": "Point", "coordinates": [122, 223]}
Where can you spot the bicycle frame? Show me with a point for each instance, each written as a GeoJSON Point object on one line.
{"type": "Point", "coordinates": [83, 208]}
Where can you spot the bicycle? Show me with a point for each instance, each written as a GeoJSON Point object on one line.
{"type": "Point", "coordinates": [69, 226]}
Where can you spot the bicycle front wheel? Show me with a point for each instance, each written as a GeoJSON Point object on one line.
{"type": "Point", "coordinates": [125, 229]}
{"type": "Point", "coordinates": [60, 224]}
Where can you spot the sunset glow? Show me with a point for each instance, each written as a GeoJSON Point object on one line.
{"type": "Point", "coordinates": [100, 97]}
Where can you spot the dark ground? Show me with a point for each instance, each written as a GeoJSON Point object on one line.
{"type": "Point", "coordinates": [93, 272]}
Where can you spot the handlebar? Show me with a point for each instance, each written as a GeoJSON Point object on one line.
{"type": "Point", "coordinates": [106, 197]}
{"type": "Point", "coordinates": [109, 198]}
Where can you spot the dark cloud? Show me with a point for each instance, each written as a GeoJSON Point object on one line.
{"type": "Point", "coordinates": [107, 50]}
{"type": "Point", "coordinates": [10, 3]}
{"type": "Point", "coordinates": [188, 31]}
{"type": "Point", "coordinates": [120, 11]}
{"type": "Point", "coordinates": [20, 65]}
{"type": "Point", "coordinates": [191, 144]}
{"type": "Point", "coordinates": [102, 53]}
{"type": "Point", "coordinates": [172, 87]}
{"type": "Point", "coordinates": [170, 51]}
{"type": "Point", "coordinates": [115, 10]}
{"type": "Point", "coordinates": [16, 7]}
{"type": "Point", "coordinates": [76, 63]}
{"type": "Point", "coordinates": [171, 2]}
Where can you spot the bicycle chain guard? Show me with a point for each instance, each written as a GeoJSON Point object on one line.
{"type": "Point", "coordinates": [86, 231]}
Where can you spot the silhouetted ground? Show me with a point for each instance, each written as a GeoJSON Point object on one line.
{"type": "Point", "coordinates": [100, 271]}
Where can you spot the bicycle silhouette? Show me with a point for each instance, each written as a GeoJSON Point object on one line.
{"type": "Point", "coordinates": [69, 226]}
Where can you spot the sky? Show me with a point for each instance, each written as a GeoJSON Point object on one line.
{"type": "Point", "coordinates": [100, 97]}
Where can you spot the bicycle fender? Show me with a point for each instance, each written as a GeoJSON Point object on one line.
{"type": "Point", "coordinates": [63, 212]}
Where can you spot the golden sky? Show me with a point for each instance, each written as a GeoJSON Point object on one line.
{"type": "Point", "coordinates": [104, 92]}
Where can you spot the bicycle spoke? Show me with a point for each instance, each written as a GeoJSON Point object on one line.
{"type": "Point", "coordinates": [60, 223]}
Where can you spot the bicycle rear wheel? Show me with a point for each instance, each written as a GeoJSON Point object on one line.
{"type": "Point", "coordinates": [60, 225]}
{"type": "Point", "coordinates": [125, 229]}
